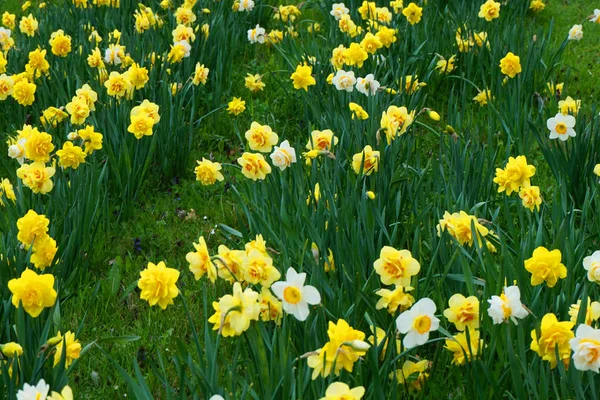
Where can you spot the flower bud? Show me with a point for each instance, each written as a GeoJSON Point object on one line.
{"type": "Point", "coordinates": [11, 349]}
{"type": "Point", "coordinates": [371, 195]}
{"type": "Point", "coordinates": [433, 115]}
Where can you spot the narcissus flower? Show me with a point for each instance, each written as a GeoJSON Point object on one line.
{"type": "Point", "coordinates": [60, 43]}
{"type": "Point", "coordinates": [417, 322]}
{"type": "Point", "coordinates": [592, 311]}
{"type": "Point", "coordinates": [366, 161]}
{"type": "Point", "coordinates": [270, 307]}
{"type": "Point", "coordinates": [7, 190]}
{"type": "Point", "coordinates": [344, 80]}
{"type": "Point", "coordinates": [71, 156]}
{"type": "Point", "coordinates": [355, 55]}
{"type": "Point", "coordinates": [322, 140]}
{"type": "Point", "coordinates": [258, 268]}
{"type": "Point", "coordinates": [256, 35]}
{"type": "Point", "coordinates": [367, 85]}
{"type": "Point", "coordinates": [208, 172]}
{"type": "Point", "coordinates": [158, 284]}
{"type": "Point", "coordinates": [44, 251]}
{"type": "Point", "coordinates": [31, 226]}
{"type": "Point", "coordinates": [261, 137]}
{"type": "Point", "coordinates": [595, 17]}
{"type": "Point", "coordinates": [446, 66]}
{"type": "Point", "coordinates": [412, 374]}
{"type": "Point", "coordinates": [507, 305]}
{"type": "Point", "coordinates": [561, 126]}
{"type": "Point", "coordinates": [92, 139]}
{"type": "Point", "coordinates": [28, 25]}
{"type": "Point", "coordinates": [592, 266]}
{"type": "Point", "coordinates": [34, 292]}
{"type": "Point", "coordinates": [52, 116]}
{"type": "Point", "coordinates": [357, 111]}
{"type": "Point", "coordinates": [576, 33]}
{"type": "Point", "coordinates": [489, 10]}
{"type": "Point", "coordinates": [537, 5]}
{"type": "Point", "coordinates": [6, 86]}
{"type": "Point", "coordinates": [396, 267]}
{"type": "Point", "coordinates": [38, 146]}
{"type": "Point", "coordinates": [200, 262]}
{"type": "Point", "coordinates": [302, 77]}
{"type": "Point", "coordinates": [254, 166]}
{"type": "Point", "coordinates": [371, 43]}
{"type": "Point", "coordinates": [65, 394]}
{"type": "Point", "coordinates": [530, 197]}
{"type": "Point", "coordinates": [179, 51]}
{"type": "Point", "coordinates": [11, 349]}
{"type": "Point", "coordinates": [79, 110]}
{"type": "Point", "coordinates": [117, 85]}
{"type": "Point", "coordinates": [234, 312]}
{"type": "Point", "coordinates": [283, 156]}
{"type": "Point", "coordinates": [483, 97]}
{"type": "Point", "coordinates": [586, 348]}
{"type": "Point", "coordinates": [254, 82]}
{"type": "Point", "coordinates": [516, 174]}
{"type": "Point", "coordinates": [295, 295]}
{"type": "Point", "coordinates": [395, 121]}
{"type": "Point", "coordinates": [236, 106]}
{"type": "Point", "coordinates": [460, 345]}
{"type": "Point", "coordinates": [569, 106]}
{"type": "Point", "coordinates": [346, 345]}
{"type": "Point", "coordinates": [37, 177]}
{"type": "Point", "coordinates": [338, 10]}
{"type": "Point", "coordinates": [69, 345]}
{"type": "Point", "coordinates": [341, 391]}
{"type": "Point", "coordinates": [554, 338]}
{"type": "Point", "coordinates": [395, 300]}
{"type": "Point", "coordinates": [24, 92]}
{"type": "Point", "coordinates": [458, 225]}
{"type": "Point", "coordinates": [463, 311]}
{"type": "Point", "coordinates": [200, 74]}
{"type": "Point", "coordinates": [30, 392]}
{"type": "Point", "coordinates": [545, 266]}
{"type": "Point", "coordinates": [413, 13]}
{"type": "Point", "coordinates": [510, 65]}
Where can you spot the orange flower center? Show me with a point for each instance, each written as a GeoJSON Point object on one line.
{"type": "Point", "coordinates": [561, 128]}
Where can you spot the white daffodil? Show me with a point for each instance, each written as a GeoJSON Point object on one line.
{"type": "Point", "coordinates": [417, 322]}
{"type": "Point", "coordinates": [561, 126]}
{"type": "Point", "coordinates": [367, 85]}
{"type": "Point", "coordinates": [344, 80]}
{"type": "Point", "coordinates": [592, 266]}
{"type": "Point", "coordinates": [576, 32]}
{"type": "Point", "coordinates": [37, 392]}
{"type": "Point", "coordinates": [294, 295]}
{"type": "Point", "coordinates": [507, 305]}
{"type": "Point", "coordinates": [586, 348]}
{"type": "Point", "coordinates": [283, 156]}
{"type": "Point", "coordinates": [246, 5]}
{"type": "Point", "coordinates": [338, 10]}
{"type": "Point", "coordinates": [257, 35]}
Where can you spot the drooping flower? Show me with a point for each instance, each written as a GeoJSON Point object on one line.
{"type": "Point", "coordinates": [71, 346]}
{"type": "Point", "coordinates": [395, 300]}
{"type": "Point", "coordinates": [295, 295]}
{"type": "Point", "coordinates": [460, 345]}
{"type": "Point", "coordinates": [357, 111]}
{"type": "Point", "coordinates": [366, 161]}
{"type": "Point", "coordinates": [412, 374]}
{"type": "Point", "coordinates": [234, 312]}
{"type": "Point", "coordinates": [200, 262]}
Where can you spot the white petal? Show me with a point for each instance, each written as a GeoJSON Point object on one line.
{"type": "Point", "coordinates": [278, 288]}
{"type": "Point", "coordinates": [311, 295]}
{"type": "Point", "coordinates": [404, 321]}
{"type": "Point", "coordinates": [302, 311]}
